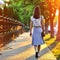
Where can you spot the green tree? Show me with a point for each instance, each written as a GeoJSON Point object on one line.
{"type": "Point", "coordinates": [24, 9]}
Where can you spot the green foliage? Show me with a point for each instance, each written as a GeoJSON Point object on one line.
{"type": "Point", "coordinates": [23, 9]}
{"type": "Point", "coordinates": [26, 28]}
{"type": "Point", "coordinates": [58, 58]}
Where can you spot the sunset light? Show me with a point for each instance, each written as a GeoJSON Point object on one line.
{"type": "Point", "coordinates": [57, 12]}
{"type": "Point", "coordinates": [29, 29]}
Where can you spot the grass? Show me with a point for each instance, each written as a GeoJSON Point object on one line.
{"type": "Point", "coordinates": [53, 45]}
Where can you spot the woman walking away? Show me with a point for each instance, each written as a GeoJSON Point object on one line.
{"type": "Point", "coordinates": [38, 27]}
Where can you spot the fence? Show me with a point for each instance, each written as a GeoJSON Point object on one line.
{"type": "Point", "coordinates": [9, 30]}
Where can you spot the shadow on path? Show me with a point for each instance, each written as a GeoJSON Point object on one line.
{"type": "Point", "coordinates": [47, 39]}
{"type": "Point", "coordinates": [53, 45]}
{"type": "Point", "coordinates": [16, 51]}
{"type": "Point", "coordinates": [44, 51]}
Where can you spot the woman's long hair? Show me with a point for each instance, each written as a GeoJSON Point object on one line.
{"type": "Point", "coordinates": [36, 12]}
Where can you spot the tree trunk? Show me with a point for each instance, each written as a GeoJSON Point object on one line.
{"type": "Point", "coordinates": [58, 33]}
{"type": "Point", "coordinates": [52, 29]}
{"type": "Point", "coordinates": [46, 25]}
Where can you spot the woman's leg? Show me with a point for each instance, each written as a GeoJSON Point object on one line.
{"type": "Point", "coordinates": [35, 47]}
{"type": "Point", "coordinates": [36, 51]}
{"type": "Point", "coordinates": [38, 48]}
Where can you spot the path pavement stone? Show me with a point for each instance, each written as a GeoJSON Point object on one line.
{"type": "Point", "coordinates": [21, 49]}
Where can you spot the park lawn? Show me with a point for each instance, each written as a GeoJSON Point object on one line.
{"type": "Point", "coordinates": [53, 45]}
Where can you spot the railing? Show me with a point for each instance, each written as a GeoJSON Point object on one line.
{"type": "Point", "coordinates": [9, 30]}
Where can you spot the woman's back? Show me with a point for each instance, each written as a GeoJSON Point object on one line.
{"type": "Point", "coordinates": [37, 22]}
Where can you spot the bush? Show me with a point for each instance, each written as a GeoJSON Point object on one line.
{"type": "Point", "coordinates": [58, 58]}
{"type": "Point", "coordinates": [26, 28]}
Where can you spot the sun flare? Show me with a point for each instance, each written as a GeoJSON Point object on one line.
{"type": "Point", "coordinates": [57, 12]}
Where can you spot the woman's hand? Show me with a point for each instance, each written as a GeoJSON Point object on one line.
{"type": "Point", "coordinates": [30, 34]}
{"type": "Point", "coordinates": [43, 34]}
{"type": "Point", "coordinates": [31, 28]}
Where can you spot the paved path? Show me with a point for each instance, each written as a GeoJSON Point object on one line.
{"type": "Point", "coordinates": [21, 49]}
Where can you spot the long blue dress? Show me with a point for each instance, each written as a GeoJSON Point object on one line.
{"type": "Point", "coordinates": [36, 36]}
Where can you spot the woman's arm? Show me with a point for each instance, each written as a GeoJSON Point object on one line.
{"type": "Point", "coordinates": [42, 24]}
{"type": "Point", "coordinates": [43, 28]}
{"type": "Point", "coordinates": [31, 27]}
